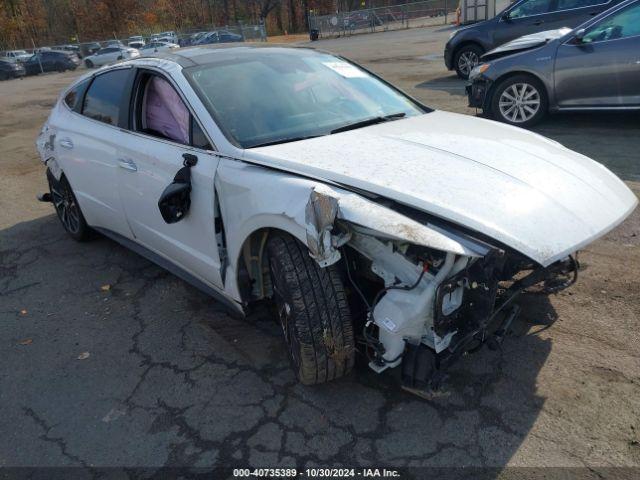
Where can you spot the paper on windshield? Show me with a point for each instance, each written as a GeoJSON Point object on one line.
{"type": "Point", "coordinates": [345, 69]}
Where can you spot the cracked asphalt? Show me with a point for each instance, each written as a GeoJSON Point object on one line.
{"type": "Point", "coordinates": [172, 380]}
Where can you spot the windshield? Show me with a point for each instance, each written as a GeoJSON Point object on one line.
{"type": "Point", "coordinates": [260, 97]}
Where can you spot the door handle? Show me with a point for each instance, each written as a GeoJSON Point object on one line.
{"type": "Point", "coordinates": [538, 22]}
{"type": "Point", "coordinates": [593, 14]}
{"type": "Point", "coordinates": [127, 164]}
{"type": "Point", "coordinates": [66, 143]}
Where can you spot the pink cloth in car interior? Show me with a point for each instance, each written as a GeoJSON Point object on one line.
{"type": "Point", "coordinates": [164, 111]}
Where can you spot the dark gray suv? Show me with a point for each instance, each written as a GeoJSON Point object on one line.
{"type": "Point", "coordinates": [593, 67]}
{"type": "Point", "coordinates": [467, 44]}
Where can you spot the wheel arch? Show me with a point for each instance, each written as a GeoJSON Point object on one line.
{"type": "Point", "coordinates": [251, 267]}
{"type": "Point", "coordinates": [487, 99]}
{"type": "Point", "coordinates": [249, 210]}
{"type": "Point", "coordinates": [466, 43]}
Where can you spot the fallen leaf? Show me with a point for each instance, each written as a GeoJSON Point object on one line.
{"type": "Point", "coordinates": [83, 356]}
{"type": "Point", "coordinates": [105, 288]}
{"type": "Point", "coordinates": [23, 312]}
{"type": "Point", "coordinates": [26, 341]}
{"type": "Point", "coordinates": [114, 414]}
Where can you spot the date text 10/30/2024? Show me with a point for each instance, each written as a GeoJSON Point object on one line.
{"type": "Point", "coordinates": [316, 472]}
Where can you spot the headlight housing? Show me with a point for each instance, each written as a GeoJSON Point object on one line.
{"type": "Point", "coordinates": [479, 70]}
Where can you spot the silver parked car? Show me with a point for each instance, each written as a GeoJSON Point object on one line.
{"type": "Point", "coordinates": [593, 67]}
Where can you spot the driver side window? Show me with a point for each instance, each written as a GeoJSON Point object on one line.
{"type": "Point", "coordinates": [623, 24]}
{"type": "Point", "coordinates": [529, 8]}
{"type": "Point", "coordinates": [160, 112]}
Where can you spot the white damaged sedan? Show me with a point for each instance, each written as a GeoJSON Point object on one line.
{"type": "Point", "coordinates": [375, 224]}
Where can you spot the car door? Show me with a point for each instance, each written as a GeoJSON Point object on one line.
{"type": "Point", "coordinates": [88, 134]}
{"type": "Point", "coordinates": [532, 16]}
{"type": "Point", "coordinates": [162, 131]}
{"type": "Point", "coordinates": [148, 49]}
{"type": "Point", "coordinates": [603, 69]}
{"type": "Point", "coordinates": [48, 61]}
{"type": "Point", "coordinates": [107, 55]}
{"type": "Point", "coordinates": [99, 58]}
{"type": "Point", "coordinates": [525, 17]}
{"type": "Point", "coordinates": [38, 59]}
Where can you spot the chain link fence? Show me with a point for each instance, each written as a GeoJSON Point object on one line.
{"type": "Point", "coordinates": [394, 17]}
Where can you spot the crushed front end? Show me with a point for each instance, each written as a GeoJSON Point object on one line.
{"type": "Point", "coordinates": [419, 307]}
{"type": "Point", "coordinates": [453, 305]}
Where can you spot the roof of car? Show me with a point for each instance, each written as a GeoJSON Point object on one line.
{"type": "Point", "coordinates": [207, 54]}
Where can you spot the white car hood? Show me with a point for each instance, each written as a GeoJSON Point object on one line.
{"type": "Point", "coordinates": [526, 191]}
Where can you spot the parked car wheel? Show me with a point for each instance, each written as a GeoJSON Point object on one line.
{"type": "Point", "coordinates": [4, 76]}
{"type": "Point", "coordinates": [520, 100]}
{"type": "Point", "coordinates": [67, 208]}
{"type": "Point", "coordinates": [88, 63]}
{"type": "Point", "coordinates": [60, 68]}
{"type": "Point", "coordinates": [466, 58]}
{"type": "Point", "coordinates": [313, 311]}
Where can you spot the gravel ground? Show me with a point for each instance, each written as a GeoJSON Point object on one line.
{"type": "Point", "coordinates": [107, 360]}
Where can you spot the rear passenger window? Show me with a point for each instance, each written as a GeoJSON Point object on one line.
{"type": "Point", "coordinates": [103, 99]}
{"type": "Point", "coordinates": [74, 96]}
{"type": "Point", "coordinates": [571, 4]}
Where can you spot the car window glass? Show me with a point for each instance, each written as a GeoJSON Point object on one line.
{"type": "Point", "coordinates": [267, 98]}
{"type": "Point", "coordinates": [198, 138]}
{"type": "Point", "coordinates": [625, 23]}
{"type": "Point", "coordinates": [571, 4]}
{"type": "Point", "coordinates": [73, 96]}
{"type": "Point", "coordinates": [530, 7]}
{"type": "Point", "coordinates": [163, 113]}
{"type": "Point", "coordinates": [102, 101]}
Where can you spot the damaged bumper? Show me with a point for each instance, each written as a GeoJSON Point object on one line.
{"type": "Point", "coordinates": [439, 294]}
{"type": "Point", "coordinates": [423, 369]}
{"type": "Point", "coordinates": [477, 93]}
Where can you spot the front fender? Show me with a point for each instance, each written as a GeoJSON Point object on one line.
{"type": "Point", "coordinates": [253, 198]}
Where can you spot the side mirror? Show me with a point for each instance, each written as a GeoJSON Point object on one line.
{"type": "Point", "coordinates": [506, 17]}
{"type": "Point", "coordinates": [579, 36]}
{"type": "Point", "coordinates": [175, 201]}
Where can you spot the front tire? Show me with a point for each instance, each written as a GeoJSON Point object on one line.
{"type": "Point", "coordinates": [466, 58]}
{"type": "Point", "coordinates": [520, 100]}
{"type": "Point", "coordinates": [88, 63]}
{"type": "Point", "coordinates": [313, 311]}
{"type": "Point", "coordinates": [67, 208]}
